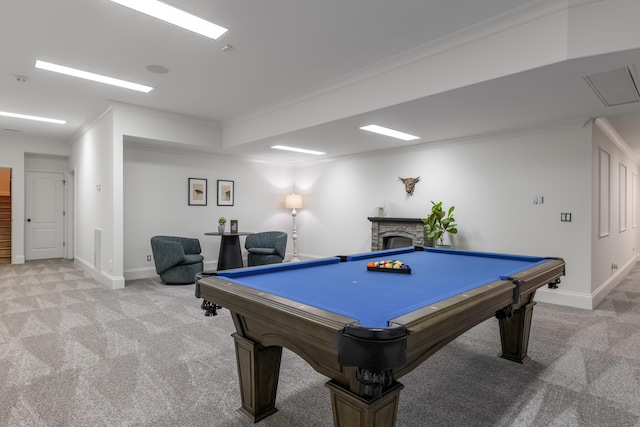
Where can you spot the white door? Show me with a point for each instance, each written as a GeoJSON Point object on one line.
{"type": "Point", "coordinates": [44, 209]}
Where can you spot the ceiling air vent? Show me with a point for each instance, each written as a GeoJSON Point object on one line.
{"type": "Point", "coordinates": [615, 87]}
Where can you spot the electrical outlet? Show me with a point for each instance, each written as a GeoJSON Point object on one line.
{"type": "Point", "coordinates": [148, 257]}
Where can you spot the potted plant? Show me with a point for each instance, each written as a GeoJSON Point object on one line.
{"type": "Point", "coordinates": [221, 223]}
{"type": "Point", "coordinates": [437, 223]}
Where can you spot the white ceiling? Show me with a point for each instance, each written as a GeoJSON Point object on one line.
{"type": "Point", "coordinates": [282, 50]}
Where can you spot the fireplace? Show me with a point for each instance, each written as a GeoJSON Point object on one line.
{"type": "Point", "coordinates": [390, 233]}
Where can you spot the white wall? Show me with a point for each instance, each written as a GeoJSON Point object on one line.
{"type": "Point", "coordinates": [12, 155]}
{"type": "Point", "coordinates": [93, 162]}
{"type": "Point", "coordinates": [149, 186]}
{"type": "Point", "coordinates": [617, 244]}
{"type": "Point", "coordinates": [44, 163]}
{"type": "Point", "coordinates": [491, 181]}
{"type": "Point", "coordinates": [98, 165]}
{"type": "Point", "coordinates": [156, 202]}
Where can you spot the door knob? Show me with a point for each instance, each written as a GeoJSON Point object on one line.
{"type": "Point", "coordinates": [28, 219]}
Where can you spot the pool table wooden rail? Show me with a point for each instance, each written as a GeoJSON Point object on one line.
{"type": "Point", "coordinates": [432, 327]}
{"type": "Point", "coordinates": [275, 321]}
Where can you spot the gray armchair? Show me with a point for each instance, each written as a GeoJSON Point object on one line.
{"type": "Point", "coordinates": [177, 259]}
{"type": "Point", "coordinates": [268, 247]}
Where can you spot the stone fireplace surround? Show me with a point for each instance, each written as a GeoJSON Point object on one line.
{"type": "Point", "coordinates": [383, 229]}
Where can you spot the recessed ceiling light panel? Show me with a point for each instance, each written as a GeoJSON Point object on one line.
{"type": "Point", "coordinates": [298, 150]}
{"type": "Point", "coordinates": [175, 16]}
{"type": "Point", "coordinates": [92, 76]}
{"type": "Point", "coordinates": [36, 118]}
{"type": "Point", "coordinates": [390, 132]}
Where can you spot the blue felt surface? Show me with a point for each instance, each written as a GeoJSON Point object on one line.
{"type": "Point", "coordinates": [374, 298]}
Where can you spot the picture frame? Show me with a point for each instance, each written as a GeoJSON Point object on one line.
{"type": "Point", "coordinates": [234, 226]}
{"type": "Point", "coordinates": [225, 192]}
{"type": "Point", "coordinates": [197, 192]}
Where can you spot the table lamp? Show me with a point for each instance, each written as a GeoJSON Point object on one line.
{"type": "Point", "coordinates": [293, 201]}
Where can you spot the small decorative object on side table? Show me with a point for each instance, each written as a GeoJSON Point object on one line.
{"type": "Point", "coordinates": [221, 223]}
{"type": "Point", "coordinates": [234, 226]}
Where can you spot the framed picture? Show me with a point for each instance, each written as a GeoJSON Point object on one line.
{"type": "Point", "coordinates": [234, 226]}
{"type": "Point", "coordinates": [197, 192]}
{"type": "Point", "coordinates": [225, 193]}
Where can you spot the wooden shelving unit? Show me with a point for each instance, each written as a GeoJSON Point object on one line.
{"type": "Point", "coordinates": [5, 229]}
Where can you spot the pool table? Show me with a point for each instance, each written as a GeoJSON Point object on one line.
{"type": "Point", "coordinates": [366, 329]}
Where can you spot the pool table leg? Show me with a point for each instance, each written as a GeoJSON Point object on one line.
{"type": "Point", "coordinates": [514, 332]}
{"type": "Point", "coordinates": [349, 409]}
{"type": "Point", "coordinates": [258, 373]}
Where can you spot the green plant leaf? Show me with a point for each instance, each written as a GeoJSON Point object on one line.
{"type": "Point", "coordinates": [439, 222]}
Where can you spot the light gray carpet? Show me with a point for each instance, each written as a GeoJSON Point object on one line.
{"type": "Point", "coordinates": [74, 354]}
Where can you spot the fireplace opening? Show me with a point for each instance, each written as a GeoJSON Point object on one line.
{"type": "Point", "coordinates": [394, 242]}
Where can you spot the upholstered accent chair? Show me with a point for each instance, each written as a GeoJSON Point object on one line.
{"type": "Point", "coordinates": [268, 247]}
{"type": "Point", "coordinates": [177, 259]}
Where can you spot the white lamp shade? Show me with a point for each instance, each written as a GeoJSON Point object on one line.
{"type": "Point", "coordinates": [293, 201]}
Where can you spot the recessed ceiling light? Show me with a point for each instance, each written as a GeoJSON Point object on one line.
{"type": "Point", "coordinates": [298, 150]}
{"type": "Point", "coordinates": [92, 76]}
{"type": "Point", "coordinates": [157, 69]}
{"type": "Point", "coordinates": [175, 16]}
{"type": "Point", "coordinates": [390, 132]}
{"type": "Point", "coordinates": [27, 117]}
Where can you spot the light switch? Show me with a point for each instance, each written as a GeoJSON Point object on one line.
{"type": "Point", "coordinates": [565, 217]}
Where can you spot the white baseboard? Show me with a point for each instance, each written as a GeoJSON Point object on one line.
{"type": "Point", "coordinates": [105, 279]}
{"type": "Point", "coordinates": [302, 257]}
{"type": "Point", "coordinates": [613, 281]}
{"type": "Point", "coordinates": [139, 273]}
{"type": "Point", "coordinates": [586, 301]}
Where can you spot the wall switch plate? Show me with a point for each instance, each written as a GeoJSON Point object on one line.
{"type": "Point", "coordinates": [565, 217]}
{"type": "Point", "coordinates": [148, 257]}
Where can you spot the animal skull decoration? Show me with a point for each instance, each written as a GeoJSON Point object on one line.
{"type": "Point", "coordinates": [409, 184]}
